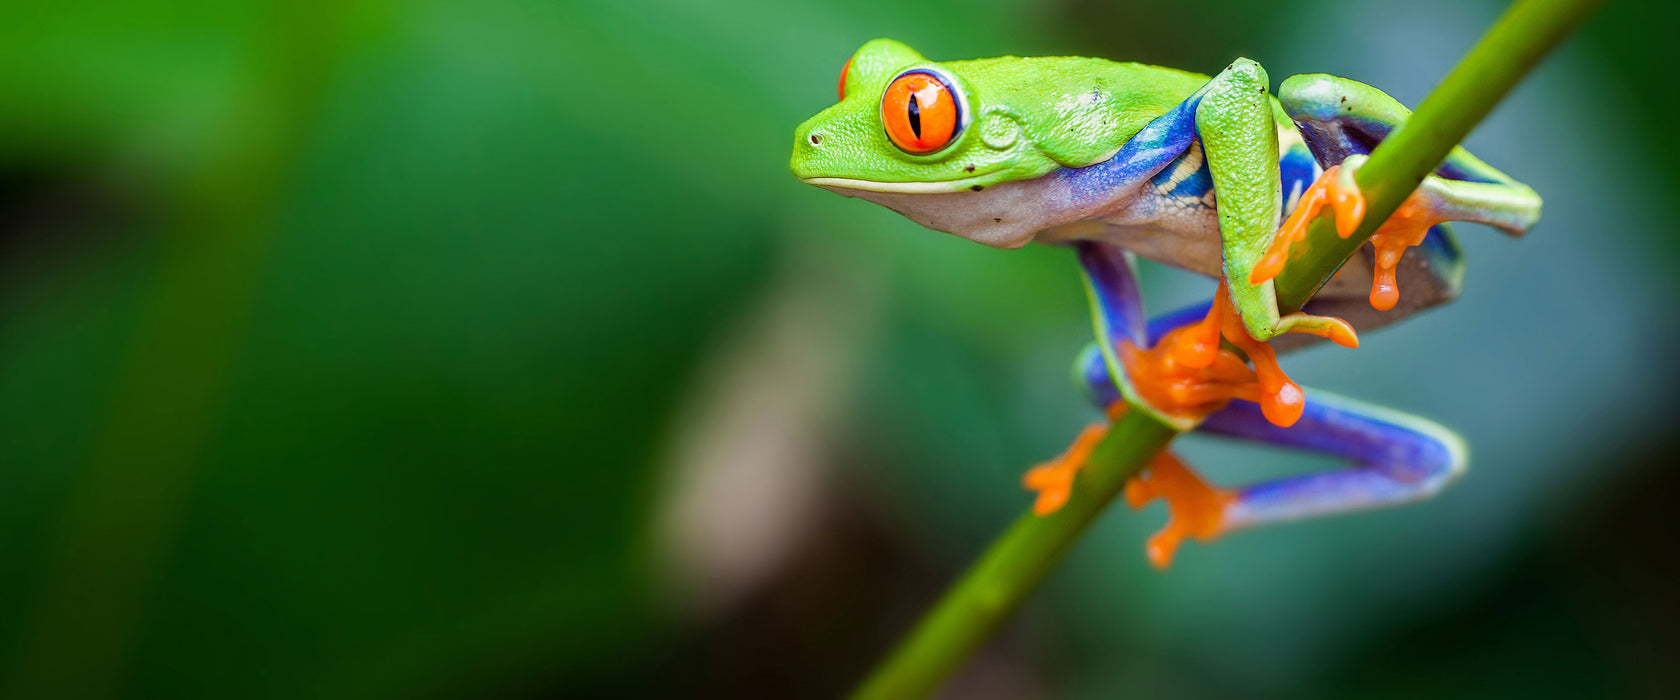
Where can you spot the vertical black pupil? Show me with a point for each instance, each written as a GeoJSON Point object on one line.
{"type": "Point", "coordinates": [915, 115]}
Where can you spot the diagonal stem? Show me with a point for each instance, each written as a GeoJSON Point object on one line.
{"type": "Point", "coordinates": [1019, 559]}
{"type": "Point", "coordinates": [1521, 37]}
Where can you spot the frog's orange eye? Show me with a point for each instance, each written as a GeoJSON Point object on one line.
{"type": "Point", "coordinates": [921, 112]}
{"type": "Point", "coordinates": [844, 71]}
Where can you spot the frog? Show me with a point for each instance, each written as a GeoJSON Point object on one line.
{"type": "Point", "coordinates": [1217, 175]}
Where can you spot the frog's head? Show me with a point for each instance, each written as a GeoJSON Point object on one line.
{"type": "Point", "coordinates": [955, 146]}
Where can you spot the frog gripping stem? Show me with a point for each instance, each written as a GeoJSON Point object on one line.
{"type": "Point", "coordinates": [1394, 459]}
{"type": "Point", "coordinates": [1053, 480]}
{"type": "Point", "coordinates": [1407, 227]}
{"type": "Point", "coordinates": [1332, 189]}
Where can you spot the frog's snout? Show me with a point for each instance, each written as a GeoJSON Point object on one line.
{"type": "Point", "coordinates": [807, 149]}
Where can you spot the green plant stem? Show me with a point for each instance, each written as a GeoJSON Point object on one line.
{"type": "Point", "coordinates": [1013, 566]}
{"type": "Point", "coordinates": [1521, 37]}
{"type": "Point", "coordinates": [1019, 559]}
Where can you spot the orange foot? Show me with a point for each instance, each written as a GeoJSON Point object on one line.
{"type": "Point", "coordinates": [1053, 480]}
{"type": "Point", "coordinates": [1349, 206]}
{"type": "Point", "coordinates": [1189, 375]}
{"type": "Point", "coordinates": [1406, 228]}
{"type": "Point", "coordinates": [1195, 508]}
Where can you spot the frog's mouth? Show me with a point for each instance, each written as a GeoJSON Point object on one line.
{"type": "Point", "coordinates": [974, 183]}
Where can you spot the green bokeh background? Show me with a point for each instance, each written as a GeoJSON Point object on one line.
{"type": "Point", "coordinates": [388, 350]}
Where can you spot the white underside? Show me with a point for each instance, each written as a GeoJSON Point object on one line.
{"type": "Point", "coordinates": [1013, 214]}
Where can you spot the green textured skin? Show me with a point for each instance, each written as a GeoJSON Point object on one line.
{"type": "Point", "coordinates": [1240, 138]}
{"type": "Point", "coordinates": [1062, 112]}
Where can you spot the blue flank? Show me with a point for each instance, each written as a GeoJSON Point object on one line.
{"type": "Point", "coordinates": [1188, 180]}
{"type": "Point", "coordinates": [1164, 152]}
{"type": "Point", "coordinates": [1150, 150]}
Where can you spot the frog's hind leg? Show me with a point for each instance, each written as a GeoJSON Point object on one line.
{"type": "Point", "coordinates": [1396, 458]}
{"type": "Point", "coordinates": [1110, 370]}
{"type": "Point", "coordinates": [1339, 118]}
{"type": "Point", "coordinates": [1341, 121]}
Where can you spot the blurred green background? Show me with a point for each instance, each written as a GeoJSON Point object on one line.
{"type": "Point", "coordinates": [448, 350]}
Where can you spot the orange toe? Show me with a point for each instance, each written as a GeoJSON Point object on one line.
{"type": "Point", "coordinates": [1054, 483]}
{"type": "Point", "coordinates": [1281, 399]}
{"type": "Point", "coordinates": [1406, 228]}
{"type": "Point", "coordinates": [1349, 206]}
{"type": "Point", "coordinates": [1342, 334]}
{"type": "Point", "coordinates": [1294, 229]}
{"type": "Point", "coordinates": [1196, 346]}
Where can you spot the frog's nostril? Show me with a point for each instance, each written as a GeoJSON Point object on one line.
{"type": "Point", "coordinates": [816, 139]}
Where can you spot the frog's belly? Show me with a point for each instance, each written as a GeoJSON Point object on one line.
{"type": "Point", "coordinates": [1181, 236]}
{"type": "Point", "coordinates": [1188, 238]}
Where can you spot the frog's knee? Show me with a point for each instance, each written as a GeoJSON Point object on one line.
{"type": "Point", "coordinates": [1320, 97]}
{"type": "Point", "coordinates": [1435, 458]}
{"type": "Point", "coordinates": [1313, 95]}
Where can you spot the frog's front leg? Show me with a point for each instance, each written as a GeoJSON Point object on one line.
{"type": "Point", "coordinates": [1341, 121]}
{"type": "Point", "coordinates": [1236, 125]}
{"type": "Point", "coordinates": [1239, 134]}
{"type": "Point", "coordinates": [1396, 458]}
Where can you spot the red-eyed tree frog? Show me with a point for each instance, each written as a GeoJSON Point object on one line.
{"type": "Point", "coordinates": [1213, 175]}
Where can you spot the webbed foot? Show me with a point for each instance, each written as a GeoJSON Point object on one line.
{"type": "Point", "coordinates": [1336, 188]}
{"type": "Point", "coordinates": [1053, 480]}
{"type": "Point", "coordinates": [1195, 509]}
